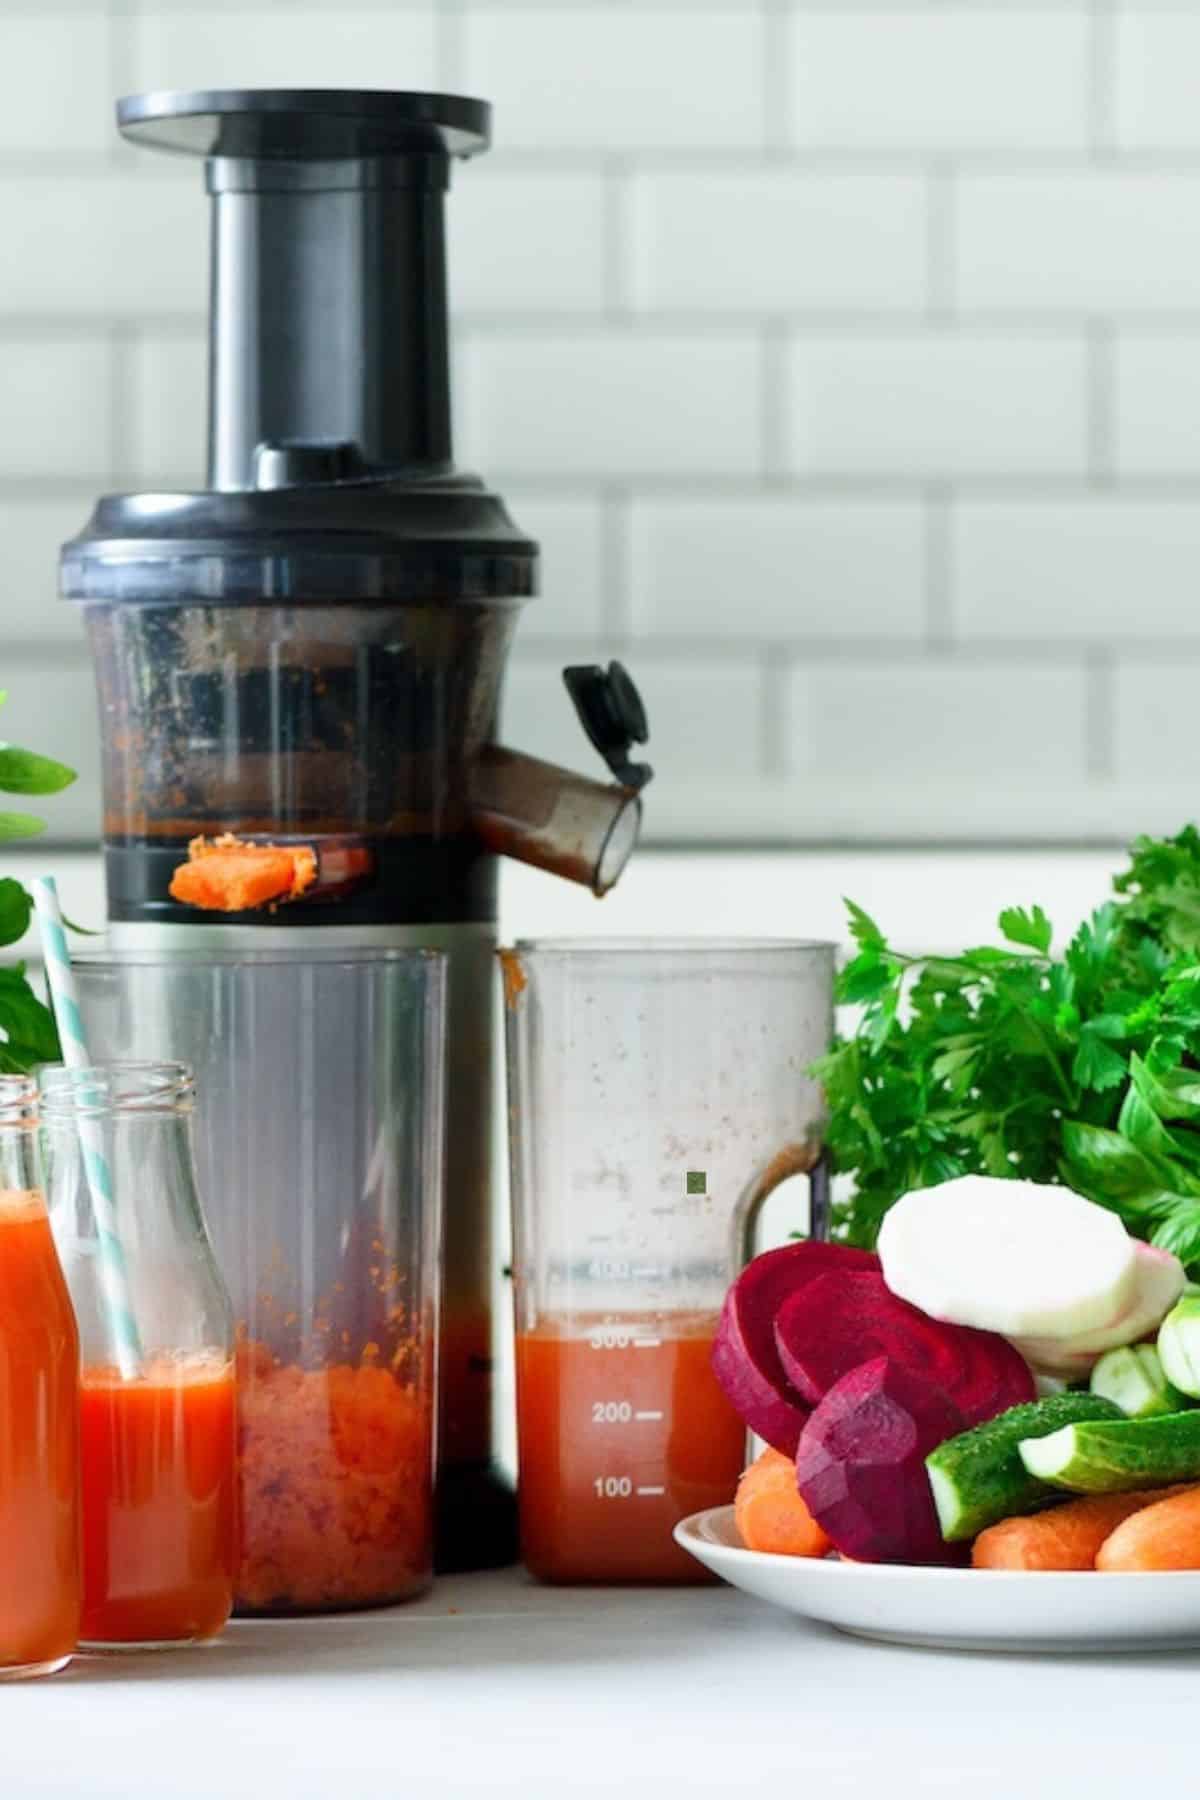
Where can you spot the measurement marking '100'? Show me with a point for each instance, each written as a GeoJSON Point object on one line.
{"type": "Point", "coordinates": [620, 1487]}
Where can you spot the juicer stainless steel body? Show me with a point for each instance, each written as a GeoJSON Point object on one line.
{"type": "Point", "coordinates": [310, 650]}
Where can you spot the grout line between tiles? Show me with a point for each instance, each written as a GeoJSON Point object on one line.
{"type": "Point", "coordinates": [1102, 80]}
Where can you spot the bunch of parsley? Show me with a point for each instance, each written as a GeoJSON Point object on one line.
{"type": "Point", "coordinates": [1081, 1067]}
{"type": "Point", "coordinates": [27, 1031]}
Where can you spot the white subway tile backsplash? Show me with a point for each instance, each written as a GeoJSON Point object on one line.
{"type": "Point", "coordinates": [781, 567]}
{"type": "Point", "coordinates": [102, 243]}
{"type": "Point", "coordinates": [1156, 405]}
{"type": "Point", "coordinates": [51, 707]}
{"type": "Point", "coordinates": [779, 240]}
{"type": "Point", "coordinates": [571, 607]}
{"type": "Point", "coordinates": [1087, 240]}
{"type": "Point", "coordinates": [843, 356]}
{"type": "Point", "coordinates": [167, 408]}
{"type": "Point", "coordinates": [55, 82]}
{"type": "Point", "coordinates": [1154, 720]}
{"type": "Point", "coordinates": [56, 407]}
{"type": "Point", "coordinates": [610, 403]}
{"type": "Point", "coordinates": [32, 528]}
{"type": "Point", "coordinates": [1157, 69]}
{"type": "Point", "coordinates": [314, 46]}
{"type": "Point", "coordinates": [1092, 569]}
{"type": "Point", "coordinates": [618, 79]}
{"type": "Point", "coordinates": [947, 719]}
{"type": "Point", "coordinates": [706, 717]}
{"type": "Point", "coordinates": [527, 242]}
{"type": "Point", "coordinates": [953, 78]}
{"type": "Point", "coordinates": [936, 403]}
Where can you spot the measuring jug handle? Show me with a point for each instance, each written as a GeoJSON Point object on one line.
{"type": "Point", "coordinates": [794, 1159]}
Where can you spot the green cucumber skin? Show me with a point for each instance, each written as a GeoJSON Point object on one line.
{"type": "Point", "coordinates": [1120, 1456]}
{"type": "Point", "coordinates": [978, 1478]}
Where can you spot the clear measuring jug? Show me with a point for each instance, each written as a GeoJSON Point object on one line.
{"type": "Point", "coordinates": [658, 1092]}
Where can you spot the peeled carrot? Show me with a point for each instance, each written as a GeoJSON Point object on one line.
{"type": "Point", "coordinates": [227, 875]}
{"type": "Point", "coordinates": [769, 1513]}
{"type": "Point", "coordinates": [1164, 1536]}
{"type": "Point", "coordinates": [1068, 1537]}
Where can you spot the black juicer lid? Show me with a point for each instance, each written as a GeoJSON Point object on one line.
{"type": "Point", "coordinates": [330, 471]}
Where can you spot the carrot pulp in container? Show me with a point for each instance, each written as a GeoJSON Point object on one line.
{"type": "Point", "coordinates": [159, 1510]}
{"type": "Point", "coordinates": [336, 1478]}
{"type": "Point", "coordinates": [39, 1384]}
{"type": "Point", "coordinates": [622, 1431]}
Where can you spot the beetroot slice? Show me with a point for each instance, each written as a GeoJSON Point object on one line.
{"type": "Point", "coordinates": [744, 1358]}
{"type": "Point", "coordinates": [846, 1316]}
{"type": "Point", "coordinates": [860, 1465]}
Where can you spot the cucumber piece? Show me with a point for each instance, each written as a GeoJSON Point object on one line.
{"type": "Point", "coordinates": [1179, 1345]}
{"type": "Point", "coordinates": [1104, 1456]}
{"type": "Point", "coordinates": [978, 1478]}
{"type": "Point", "coordinates": [1133, 1379]}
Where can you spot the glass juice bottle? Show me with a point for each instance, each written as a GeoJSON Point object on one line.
{"type": "Point", "coordinates": [658, 1093]}
{"type": "Point", "coordinates": [39, 1400]}
{"type": "Point", "coordinates": [157, 1430]}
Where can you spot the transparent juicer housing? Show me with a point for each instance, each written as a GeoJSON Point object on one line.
{"type": "Point", "coordinates": [319, 1149]}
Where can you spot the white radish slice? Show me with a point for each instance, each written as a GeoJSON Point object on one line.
{"type": "Point", "coordinates": [1160, 1281]}
{"type": "Point", "coordinates": [1009, 1256]}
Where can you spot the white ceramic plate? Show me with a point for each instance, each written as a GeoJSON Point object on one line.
{"type": "Point", "coordinates": [969, 1609]}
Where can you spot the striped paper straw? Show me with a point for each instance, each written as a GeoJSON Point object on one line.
{"type": "Point", "coordinates": [114, 1276]}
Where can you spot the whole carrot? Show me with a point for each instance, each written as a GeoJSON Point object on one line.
{"type": "Point", "coordinates": [1068, 1537]}
{"type": "Point", "coordinates": [769, 1513]}
{"type": "Point", "coordinates": [1166, 1536]}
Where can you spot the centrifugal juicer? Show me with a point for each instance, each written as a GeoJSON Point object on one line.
{"type": "Point", "coordinates": [299, 666]}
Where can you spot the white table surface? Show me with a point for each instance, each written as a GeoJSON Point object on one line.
{"type": "Point", "coordinates": [493, 1685]}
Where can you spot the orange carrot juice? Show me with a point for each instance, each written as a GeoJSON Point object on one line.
{"type": "Point", "coordinates": [159, 1539]}
{"type": "Point", "coordinates": [622, 1432]}
{"type": "Point", "coordinates": [39, 1444]}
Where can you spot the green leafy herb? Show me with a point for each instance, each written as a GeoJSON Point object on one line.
{"type": "Point", "coordinates": [1008, 1060]}
{"type": "Point", "coordinates": [27, 1030]}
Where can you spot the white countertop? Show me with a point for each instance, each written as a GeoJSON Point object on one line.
{"type": "Point", "coordinates": [493, 1685]}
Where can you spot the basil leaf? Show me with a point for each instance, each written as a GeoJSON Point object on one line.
{"type": "Point", "coordinates": [24, 772]}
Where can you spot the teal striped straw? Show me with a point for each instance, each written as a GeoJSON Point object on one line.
{"type": "Point", "coordinates": [114, 1276]}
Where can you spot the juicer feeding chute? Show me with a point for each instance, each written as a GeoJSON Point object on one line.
{"type": "Point", "coordinates": [300, 665]}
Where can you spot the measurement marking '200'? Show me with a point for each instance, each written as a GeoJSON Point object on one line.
{"type": "Point", "coordinates": [620, 1412]}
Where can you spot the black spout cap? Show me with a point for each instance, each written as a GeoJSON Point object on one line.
{"type": "Point", "coordinates": [306, 124]}
{"type": "Point", "coordinates": [612, 713]}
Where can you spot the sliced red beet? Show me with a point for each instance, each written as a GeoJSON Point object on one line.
{"type": "Point", "coordinates": [844, 1317]}
{"type": "Point", "coordinates": [860, 1465]}
{"type": "Point", "coordinates": [744, 1357]}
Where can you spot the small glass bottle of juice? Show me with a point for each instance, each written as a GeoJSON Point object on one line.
{"type": "Point", "coordinates": [39, 1400]}
{"type": "Point", "coordinates": [157, 1422]}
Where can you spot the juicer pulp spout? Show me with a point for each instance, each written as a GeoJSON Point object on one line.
{"type": "Point", "coordinates": [564, 823]}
